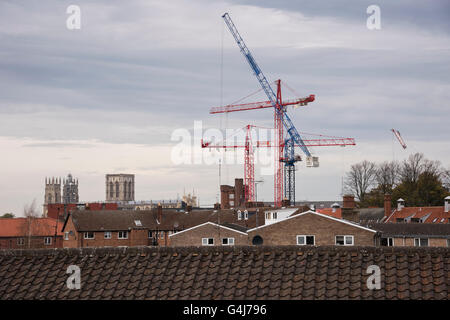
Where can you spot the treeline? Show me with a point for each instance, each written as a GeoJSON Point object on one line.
{"type": "Point", "coordinates": [417, 180]}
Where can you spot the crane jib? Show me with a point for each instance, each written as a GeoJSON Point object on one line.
{"type": "Point", "coordinates": [292, 131]}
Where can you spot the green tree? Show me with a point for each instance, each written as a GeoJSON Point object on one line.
{"type": "Point", "coordinates": [7, 215]}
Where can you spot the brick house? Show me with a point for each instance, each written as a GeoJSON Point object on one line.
{"type": "Point", "coordinates": [30, 233]}
{"type": "Point", "coordinates": [117, 228]}
{"type": "Point", "coordinates": [413, 234]}
{"type": "Point", "coordinates": [312, 228]}
{"type": "Point", "coordinates": [85, 228]}
{"type": "Point", "coordinates": [210, 234]}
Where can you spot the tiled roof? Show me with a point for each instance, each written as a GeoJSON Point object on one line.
{"type": "Point", "coordinates": [428, 214]}
{"type": "Point", "coordinates": [20, 227]}
{"type": "Point", "coordinates": [289, 272]}
{"type": "Point", "coordinates": [412, 229]}
{"type": "Point", "coordinates": [85, 220]}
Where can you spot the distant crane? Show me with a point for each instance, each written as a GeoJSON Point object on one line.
{"type": "Point", "coordinates": [399, 138]}
{"type": "Point", "coordinates": [281, 119]}
{"type": "Point", "coordinates": [249, 145]}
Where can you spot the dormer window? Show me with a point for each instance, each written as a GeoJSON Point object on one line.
{"type": "Point", "coordinates": [138, 223]}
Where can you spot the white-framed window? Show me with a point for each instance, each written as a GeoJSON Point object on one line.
{"type": "Point", "coordinates": [345, 240]}
{"type": "Point", "coordinates": [150, 234]}
{"type": "Point", "coordinates": [239, 215]}
{"type": "Point", "coordinates": [228, 241]}
{"type": "Point", "coordinates": [161, 235]}
{"type": "Point", "coordinates": [207, 241]}
{"type": "Point", "coordinates": [122, 235]}
{"type": "Point", "coordinates": [232, 203]}
{"type": "Point", "coordinates": [231, 196]}
{"type": "Point", "coordinates": [268, 215]}
{"type": "Point", "coordinates": [421, 242]}
{"type": "Point", "coordinates": [107, 235]}
{"type": "Point", "coordinates": [303, 240]}
{"type": "Point", "coordinates": [89, 235]}
{"type": "Point", "coordinates": [390, 242]}
{"type": "Point", "coordinates": [246, 215]}
{"type": "Point", "coordinates": [48, 241]}
{"type": "Point", "coordinates": [66, 235]}
{"type": "Point", "coordinates": [20, 241]}
{"type": "Point", "coordinates": [275, 215]}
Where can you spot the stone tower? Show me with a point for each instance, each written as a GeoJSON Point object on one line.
{"type": "Point", "coordinates": [52, 192]}
{"type": "Point", "coordinates": [119, 187]}
{"type": "Point", "coordinates": [70, 190]}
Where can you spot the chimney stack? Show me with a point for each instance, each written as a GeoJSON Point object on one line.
{"type": "Point", "coordinates": [387, 205]}
{"type": "Point", "coordinates": [447, 204]}
{"type": "Point", "coordinates": [348, 208]}
{"type": "Point", "coordinates": [400, 204]}
{"type": "Point", "coordinates": [159, 214]}
{"type": "Point", "coordinates": [348, 201]}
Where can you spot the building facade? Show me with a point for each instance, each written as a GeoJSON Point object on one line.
{"type": "Point", "coordinates": [119, 187]}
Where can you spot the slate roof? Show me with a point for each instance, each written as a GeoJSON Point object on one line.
{"type": "Point", "coordinates": [259, 272]}
{"type": "Point", "coordinates": [413, 229]}
{"type": "Point", "coordinates": [115, 220]}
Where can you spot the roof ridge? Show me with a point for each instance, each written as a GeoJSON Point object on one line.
{"type": "Point", "coordinates": [211, 249]}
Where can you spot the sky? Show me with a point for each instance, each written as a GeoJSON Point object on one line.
{"type": "Point", "coordinates": [112, 96]}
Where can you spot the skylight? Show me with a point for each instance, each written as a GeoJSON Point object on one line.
{"type": "Point", "coordinates": [138, 223]}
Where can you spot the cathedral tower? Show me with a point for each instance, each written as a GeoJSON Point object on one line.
{"type": "Point", "coordinates": [70, 190]}
{"type": "Point", "coordinates": [52, 192]}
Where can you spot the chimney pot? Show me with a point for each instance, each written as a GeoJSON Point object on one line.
{"type": "Point", "coordinates": [400, 204]}
{"type": "Point", "coordinates": [447, 204]}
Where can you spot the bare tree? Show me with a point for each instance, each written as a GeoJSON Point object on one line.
{"type": "Point", "coordinates": [360, 179]}
{"type": "Point", "coordinates": [446, 179]}
{"type": "Point", "coordinates": [412, 167]}
{"type": "Point", "coordinates": [387, 174]}
{"type": "Point", "coordinates": [31, 213]}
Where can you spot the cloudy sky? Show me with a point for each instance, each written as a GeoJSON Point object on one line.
{"type": "Point", "coordinates": [108, 98]}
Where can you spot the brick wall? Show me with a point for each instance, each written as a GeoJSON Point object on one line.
{"type": "Point", "coordinates": [35, 242]}
{"type": "Point", "coordinates": [194, 236]}
{"type": "Point", "coordinates": [324, 230]}
{"type": "Point", "coordinates": [409, 242]}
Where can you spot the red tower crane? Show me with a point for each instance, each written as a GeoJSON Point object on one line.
{"type": "Point", "coordinates": [248, 146]}
{"type": "Point", "coordinates": [278, 126]}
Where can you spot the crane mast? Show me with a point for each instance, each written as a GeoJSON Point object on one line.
{"type": "Point", "coordinates": [287, 122]}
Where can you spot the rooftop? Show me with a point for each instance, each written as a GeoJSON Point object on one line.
{"type": "Point", "coordinates": [288, 272]}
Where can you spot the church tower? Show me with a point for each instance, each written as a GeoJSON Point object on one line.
{"type": "Point", "coordinates": [70, 190]}
{"type": "Point", "coordinates": [52, 192]}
